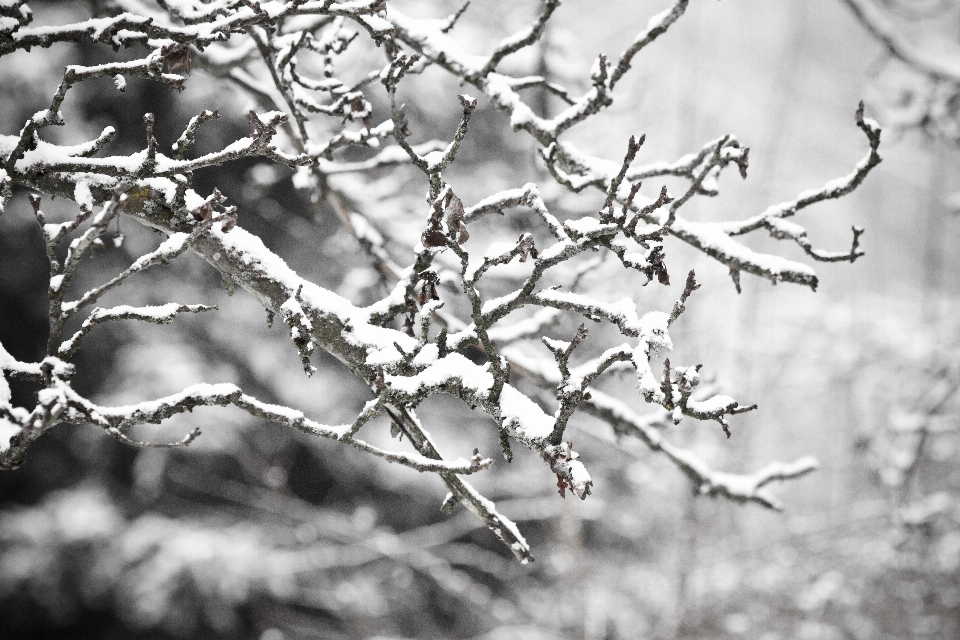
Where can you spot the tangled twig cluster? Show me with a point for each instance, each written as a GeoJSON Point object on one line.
{"type": "Point", "coordinates": [411, 344]}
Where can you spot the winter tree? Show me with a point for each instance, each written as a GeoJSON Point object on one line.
{"type": "Point", "coordinates": [485, 300]}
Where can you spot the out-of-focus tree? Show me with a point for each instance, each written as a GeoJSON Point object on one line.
{"type": "Point", "coordinates": [918, 71]}
{"type": "Point", "coordinates": [336, 94]}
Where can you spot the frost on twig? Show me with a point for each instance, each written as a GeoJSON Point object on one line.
{"type": "Point", "coordinates": [460, 304]}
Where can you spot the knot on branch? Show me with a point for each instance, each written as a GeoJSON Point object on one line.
{"type": "Point", "coordinates": [394, 72]}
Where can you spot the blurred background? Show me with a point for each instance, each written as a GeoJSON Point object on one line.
{"type": "Point", "coordinates": [259, 532]}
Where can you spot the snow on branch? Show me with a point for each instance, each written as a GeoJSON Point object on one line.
{"type": "Point", "coordinates": [148, 163]}
{"type": "Point", "coordinates": [577, 170]}
{"type": "Point", "coordinates": [656, 27]}
{"type": "Point", "coordinates": [521, 39]}
{"type": "Point", "coordinates": [161, 314]}
{"type": "Point", "coordinates": [451, 321]}
{"type": "Point", "coordinates": [61, 403]}
{"type": "Point", "coordinates": [205, 25]}
{"type": "Point", "coordinates": [647, 428]}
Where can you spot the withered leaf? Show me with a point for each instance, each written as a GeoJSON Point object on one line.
{"type": "Point", "coordinates": [432, 238]}
{"type": "Point", "coordinates": [662, 276]}
{"type": "Point", "coordinates": [206, 211]}
{"type": "Point", "coordinates": [178, 59]}
{"type": "Point", "coordinates": [454, 211]}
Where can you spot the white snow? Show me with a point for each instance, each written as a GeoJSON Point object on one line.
{"type": "Point", "coordinates": [526, 327]}
{"type": "Point", "coordinates": [712, 405]}
{"type": "Point", "coordinates": [579, 476]}
{"type": "Point", "coordinates": [452, 366]}
{"type": "Point", "coordinates": [527, 419]}
{"type": "Point", "coordinates": [434, 42]}
{"type": "Point", "coordinates": [82, 195]}
{"type": "Point", "coordinates": [433, 159]}
{"type": "Point", "coordinates": [7, 429]}
{"type": "Point", "coordinates": [168, 247]}
{"type": "Point", "coordinates": [713, 238]}
{"type": "Point", "coordinates": [653, 341]}
{"type": "Point", "coordinates": [499, 89]}
{"type": "Point", "coordinates": [588, 225]}
{"type": "Point", "coordinates": [155, 313]}
{"type": "Point", "coordinates": [655, 22]}
{"type": "Point", "coordinates": [197, 391]}
{"type": "Point", "coordinates": [555, 250]}
{"type": "Point", "coordinates": [490, 305]}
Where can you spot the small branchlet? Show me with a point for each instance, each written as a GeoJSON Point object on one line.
{"type": "Point", "coordinates": [150, 162]}
{"type": "Point", "coordinates": [61, 273]}
{"type": "Point", "coordinates": [163, 314]}
{"type": "Point", "coordinates": [688, 288]}
{"type": "Point", "coordinates": [177, 244]}
{"type": "Point", "coordinates": [394, 72]}
{"type": "Point", "coordinates": [519, 41]}
{"type": "Point", "coordinates": [666, 386]}
{"type": "Point", "coordinates": [451, 21]}
{"type": "Point", "coordinates": [716, 408]}
{"type": "Point", "coordinates": [435, 162]}
{"type": "Point", "coordinates": [188, 137]}
{"type": "Point", "coordinates": [563, 462]}
{"type": "Point", "coordinates": [569, 393]}
{"type": "Point", "coordinates": [633, 146]}
{"type": "Point", "coordinates": [300, 330]}
{"type": "Point", "coordinates": [654, 30]}
{"type": "Point", "coordinates": [735, 276]}
{"type": "Point", "coordinates": [646, 212]}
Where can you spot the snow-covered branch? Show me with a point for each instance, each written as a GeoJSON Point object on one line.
{"type": "Point", "coordinates": [577, 170]}
{"type": "Point", "coordinates": [459, 289]}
